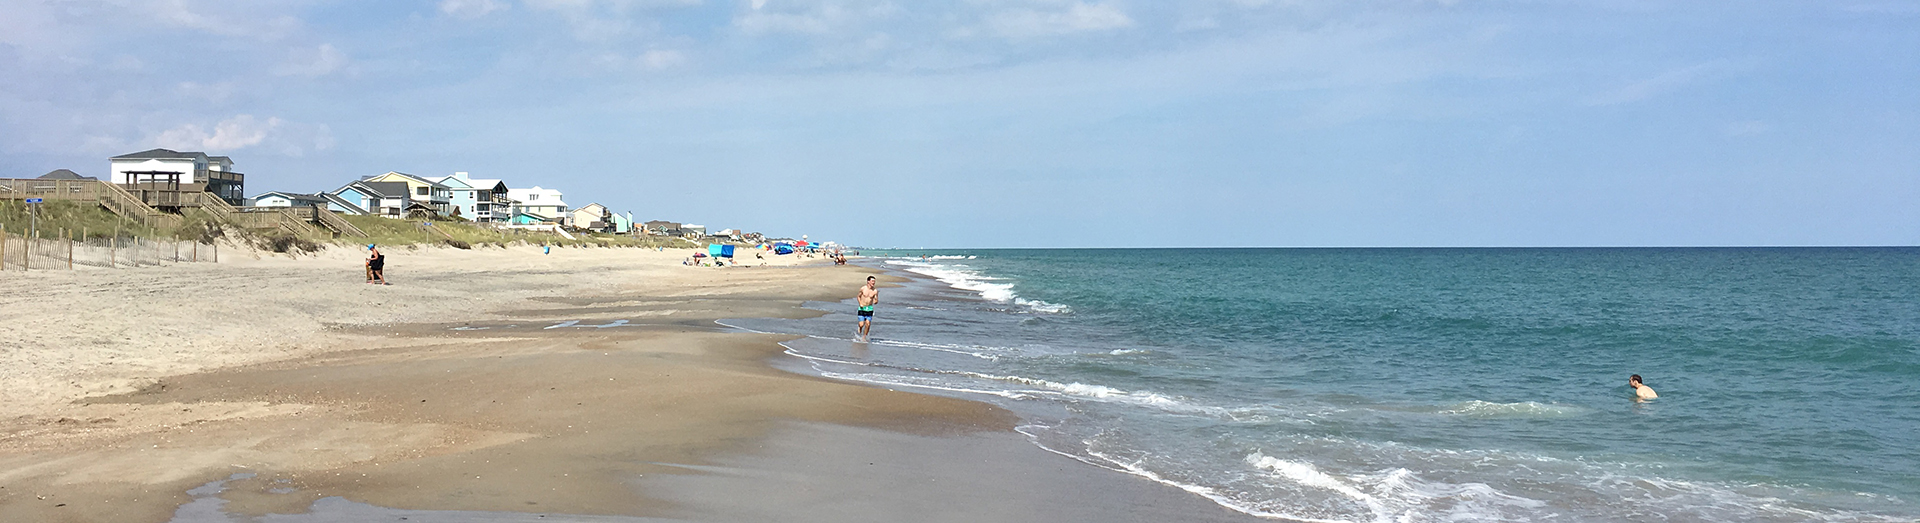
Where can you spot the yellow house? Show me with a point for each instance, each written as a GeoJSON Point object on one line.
{"type": "Point", "coordinates": [422, 190]}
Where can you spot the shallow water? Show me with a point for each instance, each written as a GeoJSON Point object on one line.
{"type": "Point", "coordinates": [1432, 384]}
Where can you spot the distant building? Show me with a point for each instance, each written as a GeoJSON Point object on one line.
{"type": "Point", "coordinates": [168, 171]}
{"type": "Point", "coordinates": [287, 199]}
{"type": "Point", "coordinates": [434, 195]}
{"type": "Point", "coordinates": [693, 231]}
{"type": "Point", "coordinates": [340, 205]}
{"type": "Point", "coordinates": [623, 223]}
{"type": "Point", "coordinates": [662, 228]}
{"type": "Point", "coordinates": [480, 200]}
{"type": "Point", "coordinates": [521, 217]}
{"type": "Point", "coordinates": [63, 174]}
{"type": "Point", "coordinates": [545, 203]}
{"type": "Point", "coordinates": [593, 217]}
{"type": "Point", "coordinates": [387, 199]}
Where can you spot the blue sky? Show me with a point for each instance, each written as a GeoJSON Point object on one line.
{"type": "Point", "coordinates": [1031, 123]}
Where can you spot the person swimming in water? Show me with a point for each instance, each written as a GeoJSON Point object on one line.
{"type": "Point", "coordinates": [1641, 391]}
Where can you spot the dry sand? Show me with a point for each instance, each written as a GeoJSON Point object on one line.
{"type": "Point", "coordinates": [495, 380]}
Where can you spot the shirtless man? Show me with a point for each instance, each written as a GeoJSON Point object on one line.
{"type": "Point", "coordinates": [1641, 391]}
{"type": "Point", "coordinates": [867, 298]}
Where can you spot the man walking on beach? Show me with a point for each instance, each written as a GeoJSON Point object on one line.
{"type": "Point", "coordinates": [867, 298]}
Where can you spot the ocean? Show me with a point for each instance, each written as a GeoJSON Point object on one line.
{"type": "Point", "coordinates": [1364, 385]}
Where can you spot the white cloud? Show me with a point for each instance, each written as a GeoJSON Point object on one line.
{"type": "Point", "coordinates": [817, 18]}
{"type": "Point", "coordinates": [470, 9]}
{"type": "Point", "coordinates": [258, 20]}
{"type": "Point", "coordinates": [662, 59]}
{"type": "Point", "coordinates": [1078, 17]}
{"type": "Point", "coordinates": [314, 62]}
{"type": "Point", "coordinates": [247, 131]}
{"type": "Point", "coordinates": [608, 20]}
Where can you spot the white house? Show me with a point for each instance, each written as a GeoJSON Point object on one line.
{"type": "Point", "coordinates": [541, 202]}
{"type": "Point", "coordinates": [180, 171]}
{"type": "Point", "coordinates": [287, 199]}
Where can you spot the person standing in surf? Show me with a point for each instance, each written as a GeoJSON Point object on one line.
{"type": "Point", "coordinates": [1641, 392]}
{"type": "Point", "coordinates": [869, 295]}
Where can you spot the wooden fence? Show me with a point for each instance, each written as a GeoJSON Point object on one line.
{"type": "Point", "coordinates": [65, 250]}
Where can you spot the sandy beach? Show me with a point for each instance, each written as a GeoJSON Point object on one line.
{"type": "Point", "coordinates": [491, 384]}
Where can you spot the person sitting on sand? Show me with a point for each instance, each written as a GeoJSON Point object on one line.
{"type": "Point", "coordinates": [1640, 390]}
{"type": "Point", "coordinates": [867, 298]}
{"type": "Point", "coordinates": [376, 266]}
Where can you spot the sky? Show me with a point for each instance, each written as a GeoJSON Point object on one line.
{"type": "Point", "coordinates": [1030, 123]}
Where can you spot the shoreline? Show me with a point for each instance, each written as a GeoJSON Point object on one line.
{"type": "Point", "coordinates": [449, 415]}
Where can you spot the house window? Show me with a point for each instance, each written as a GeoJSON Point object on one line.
{"type": "Point", "coordinates": [531, 197]}
{"type": "Point", "coordinates": [421, 191]}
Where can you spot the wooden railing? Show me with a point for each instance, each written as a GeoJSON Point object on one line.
{"type": "Point", "coordinates": [299, 220]}
{"type": "Point", "coordinates": [285, 218]}
{"type": "Point", "coordinates": [110, 196]}
{"type": "Point", "coordinates": [327, 218]}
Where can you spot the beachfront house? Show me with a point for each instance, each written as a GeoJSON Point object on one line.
{"type": "Point", "coordinates": [161, 176]}
{"type": "Point", "coordinates": [661, 228]}
{"type": "Point", "coordinates": [388, 199]}
{"type": "Point", "coordinates": [623, 223]}
{"type": "Point", "coordinates": [594, 217]}
{"type": "Point", "coordinates": [63, 174]}
{"type": "Point", "coordinates": [458, 193]}
{"type": "Point", "coordinates": [693, 232]}
{"type": "Point", "coordinates": [340, 205]}
{"type": "Point", "coordinates": [434, 195]}
{"type": "Point", "coordinates": [521, 217]}
{"type": "Point", "coordinates": [287, 199]}
{"type": "Point", "coordinates": [479, 199]}
{"type": "Point", "coordinates": [545, 203]}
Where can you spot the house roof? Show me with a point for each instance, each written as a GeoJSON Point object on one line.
{"type": "Point", "coordinates": [381, 189]}
{"type": "Point", "coordinates": [409, 176]}
{"type": "Point", "coordinates": [450, 182]}
{"type": "Point", "coordinates": [293, 196]}
{"type": "Point", "coordinates": [160, 153]}
{"type": "Point", "coordinates": [488, 184]}
{"type": "Point", "coordinates": [63, 174]}
{"type": "Point", "coordinates": [603, 208]}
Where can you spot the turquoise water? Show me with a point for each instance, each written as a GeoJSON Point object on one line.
{"type": "Point", "coordinates": [1432, 384]}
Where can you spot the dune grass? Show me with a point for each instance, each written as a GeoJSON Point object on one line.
{"type": "Point", "coordinates": [70, 219]}
{"type": "Point", "coordinates": [388, 231]}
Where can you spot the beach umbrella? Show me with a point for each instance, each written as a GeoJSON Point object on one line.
{"type": "Point", "coordinates": [699, 255]}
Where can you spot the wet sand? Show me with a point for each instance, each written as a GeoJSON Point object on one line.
{"type": "Point", "coordinates": [591, 383]}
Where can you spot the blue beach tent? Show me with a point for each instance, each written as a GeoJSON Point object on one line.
{"type": "Point", "coordinates": [720, 251]}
